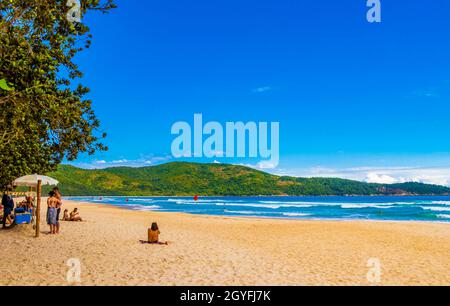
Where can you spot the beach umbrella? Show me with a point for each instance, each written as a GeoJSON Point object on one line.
{"type": "Point", "coordinates": [32, 181]}
{"type": "Point", "coordinates": [36, 181]}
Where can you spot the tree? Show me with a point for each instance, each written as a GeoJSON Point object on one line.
{"type": "Point", "coordinates": [44, 117]}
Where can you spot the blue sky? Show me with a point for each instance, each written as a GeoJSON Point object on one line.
{"type": "Point", "coordinates": [354, 99]}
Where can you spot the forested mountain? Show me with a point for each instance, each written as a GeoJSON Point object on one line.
{"type": "Point", "coordinates": [181, 178]}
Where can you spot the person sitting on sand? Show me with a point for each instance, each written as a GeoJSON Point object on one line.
{"type": "Point", "coordinates": [153, 234]}
{"type": "Point", "coordinates": [66, 215]}
{"type": "Point", "coordinates": [75, 215]}
{"type": "Point", "coordinates": [26, 204]}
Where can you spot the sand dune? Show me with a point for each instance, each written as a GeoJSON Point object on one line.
{"type": "Point", "coordinates": [225, 251]}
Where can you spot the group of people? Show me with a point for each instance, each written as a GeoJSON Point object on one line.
{"type": "Point", "coordinates": [73, 216]}
{"type": "Point", "coordinates": [8, 207]}
{"type": "Point", "coordinates": [54, 203]}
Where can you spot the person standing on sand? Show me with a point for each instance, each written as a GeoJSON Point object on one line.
{"type": "Point", "coordinates": [52, 203]}
{"type": "Point", "coordinates": [58, 207]}
{"type": "Point", "coordinates": [8, 207]}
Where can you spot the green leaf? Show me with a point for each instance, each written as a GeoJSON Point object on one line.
{"type": "Point", "coordinates": [4, 85]}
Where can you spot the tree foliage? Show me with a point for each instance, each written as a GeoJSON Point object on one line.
{"type": "Point", "coordinates": [45, 116]}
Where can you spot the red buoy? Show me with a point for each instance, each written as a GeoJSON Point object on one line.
{"type": "Point", "coordinates": [196, 198]}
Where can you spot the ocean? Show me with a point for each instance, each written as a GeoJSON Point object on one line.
{"type": "Point", "coordinates": [411, 208]}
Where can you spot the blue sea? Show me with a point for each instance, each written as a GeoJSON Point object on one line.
{"type": "Point", "coordinates": [326, 208]}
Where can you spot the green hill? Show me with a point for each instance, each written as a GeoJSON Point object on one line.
{"type": "Point", "coordinates": [181, 178]}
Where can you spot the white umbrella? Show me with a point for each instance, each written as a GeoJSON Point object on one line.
{"type": "Point", "coordinates": [32, 180]}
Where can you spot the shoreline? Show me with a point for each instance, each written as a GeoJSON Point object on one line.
{"type": "Point", "coordinates": [224, 250]}
{"type": "Point", "coordinates": [124, 206]}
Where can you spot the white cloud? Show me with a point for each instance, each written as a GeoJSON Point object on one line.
{"type": "Point", "coordinates": [436, 179]}
{"type": "Point", "coordinates": [388, 175]}
{"type": "Point", "coordinates": [101, 164]}
{"type": "Point", "coordinates": [265, 165]}
{"type": "Point", "coordinates": [262, 89]}
{"type": "Point", "coordinates": [262, 165]}
{"type": "Point", "coordinates": [426, 93]}
{"type": "Point", "coordinates": [431, 175]}
{"type": "Point", "coordinates": [120, 161]}
{"type": "Point", "coordinates": [380, 179]}
{"type": "Point", "coordinates": [156, 159]}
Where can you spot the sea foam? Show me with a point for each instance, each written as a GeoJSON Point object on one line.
{"type": "Point", "coordinates": [436, 208]}
{"type": "Point", "coordinates": [443, 216]}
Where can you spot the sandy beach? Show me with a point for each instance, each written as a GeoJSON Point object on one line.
{"type": "Point", "coordinates": [206, 250]}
